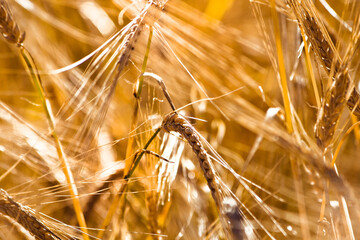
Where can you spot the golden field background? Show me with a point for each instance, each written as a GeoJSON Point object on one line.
{"type": "Point", "coordinates": [73, 118]}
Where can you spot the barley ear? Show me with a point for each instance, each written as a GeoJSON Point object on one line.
{"type": "Point", "coordinates": [331, 109]}
{"type": "Point", "coordinates": [24, 216]}
{"type": "Point", "coordinates": [8, 27]}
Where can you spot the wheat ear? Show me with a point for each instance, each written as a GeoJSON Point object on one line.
{"type": "Point", "coordinates": [333, 103]}
{"type": "Point", "coordinates": [176, 123]}
{"type": "Point", "coordinates": [8, 27]}
{"type": "Point", "coordinates": [331, 109]}
{"type": "Point", "coordinates": [25, 217]}
{"type": "Point", "coordinates": [12, 34]}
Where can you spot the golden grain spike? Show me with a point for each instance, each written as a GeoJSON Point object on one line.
{"type": "Point", "coordinates": [333, 102]}
{"type": "Point", "coordinates": [176, 123]}
{"type": "Point", "coordinates": [8, 27]}
{"type": "Point", "coordinates": [323, 50]}
{"type": "Point", "coordinates": [150, 11]}
{"type": "Point", "coordinates": [320, 44]}
{"type": "Point", "coordinates": [331, 109]}
{"type": "Point", "coordinates": [24, 216]}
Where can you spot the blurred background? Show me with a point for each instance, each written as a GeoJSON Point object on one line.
{"type": "Point", "coordinates": [250, 76]}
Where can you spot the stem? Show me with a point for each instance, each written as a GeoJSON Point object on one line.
{"type": "Point", "coordinates": [284, 87]}
{"type": "Point", "coordinates": [35, 77]}
{"type": "Point", "coordinates": [285, 94]}
{"type": "Point", "coordinates": [310, 69]}
{"type": "Point", "coordinates": [137, 94]}
{"type": "Point", "coordinates": [119, 194]}
{"type": "Point", "coordinates": [136, 162]}
{"type": "Point", "coordinates": [139, 83]}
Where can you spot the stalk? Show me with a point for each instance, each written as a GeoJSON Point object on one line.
{"type": "Point", "coordinates": [287, 107]}
{"type": "Point", "coordinates": [115, 203]}
{"type": "Point", "coordinates": [35, 77]}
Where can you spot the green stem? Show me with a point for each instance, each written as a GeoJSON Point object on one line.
{"type": "Point", "coordinates": [117, 198]}
{"type": "Point", "coordinates": [139, 83]}
{"type": "Point", "coordinates": [35, 77]}
{"type": "Point", "coordinates": [137, 160]}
